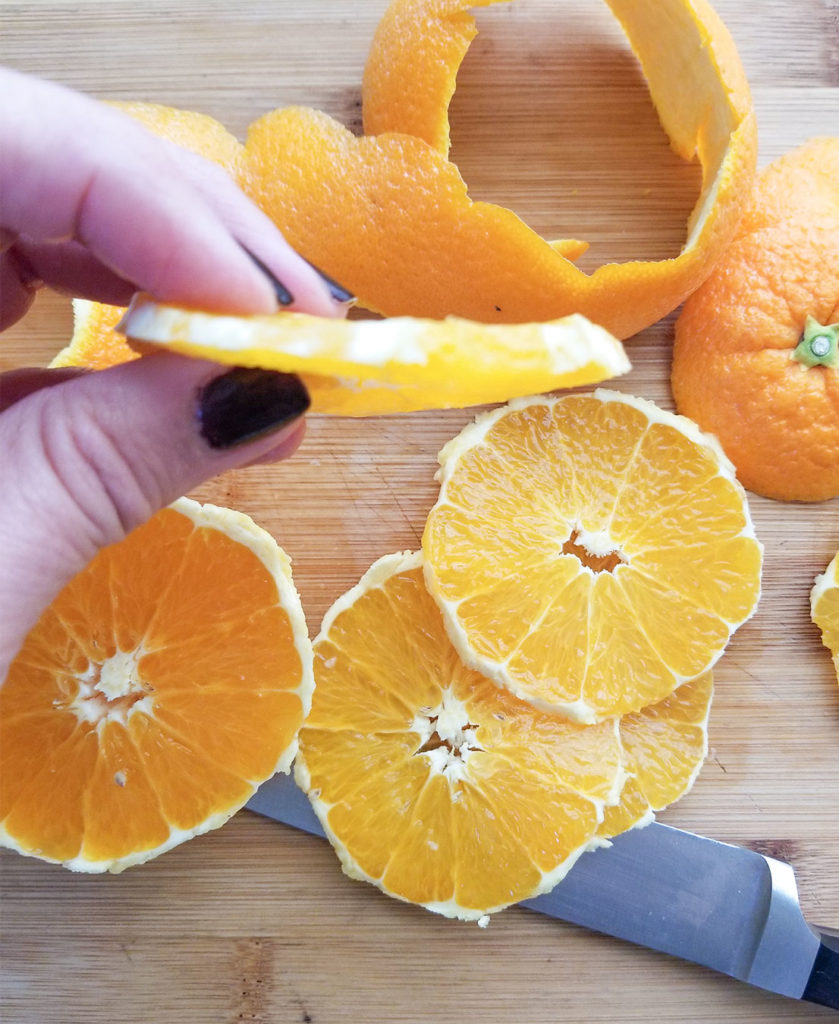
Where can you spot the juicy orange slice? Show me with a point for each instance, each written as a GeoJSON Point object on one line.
{"type": "Point", "coordinates": [824, 608]}
{"type": "Point", "coordinates": [400, 229]}
{"type": "Point", "coordinates": [430, 782]}
{"type": "Point", "coordinates": [440, 788]}
{"type": "Point", "coordinates": [163, 684]}
{"type": "Point", "coordinates": [361, 367]}
{"type": "Point", "coordinates": [664, 747]}
{"type": "Point", "coordinates": [590, 552]}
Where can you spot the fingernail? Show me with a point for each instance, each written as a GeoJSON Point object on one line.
{"type": "Point", "coordinates": [245, 404]}
{"type": "Point", "coordinates": [337, 291]}
{"type": "Point", "coordinates": [284, 296]}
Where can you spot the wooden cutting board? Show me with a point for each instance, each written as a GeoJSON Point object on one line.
{"type": "Point", "coordinates": [256, 922]}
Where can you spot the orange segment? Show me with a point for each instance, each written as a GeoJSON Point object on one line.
{"type": "Point", "coordinates": [432, 783]}
{"type": "Point", "coordinates": [824, 608]}
{"type": "Point", "coordinates": [400, 229]}
{"type": "Point", "coordinates": [164, 683]}
{"type": "Point", "coordinates": [364, 367]}
{"type": "Point", "coordinates": [664, 746]}
{"type": "Point", "coordinates": [615, 563]}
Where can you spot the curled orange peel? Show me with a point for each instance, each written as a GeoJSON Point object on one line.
{"type": "Point", "coordinates": [389, 215]}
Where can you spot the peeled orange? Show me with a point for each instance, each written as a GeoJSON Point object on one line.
{"type": "Point", "coordinates": [590, 552]}
{"type": "Point", "coordinates": [164, 683]}
{"type": "Point", "coordinates": [362, 367]}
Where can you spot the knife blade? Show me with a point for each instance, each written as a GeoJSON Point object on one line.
{"type": "Point", "coordinates": [722, 906]}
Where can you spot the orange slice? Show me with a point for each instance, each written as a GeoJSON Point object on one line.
{"type": "Point", "coordinates": [163, 684]}
{"type": "Point", "coordinates": [400, 229]}
{"type": "Point", "coordinates": [664, 747]}
{"type": "Point", "coordinates": [824, 608]}
{"type": "Point", "coordinates": [442, 789]}
{"type": "Point", "coordinates": [590, 552]}
{"type": "Point", "coordinates": [430, 782]}
{"type": "Point", "coordinates": [362, 367]}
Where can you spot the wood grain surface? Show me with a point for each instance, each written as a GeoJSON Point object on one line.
{"type": "Point", "coordinates": [255, 922]}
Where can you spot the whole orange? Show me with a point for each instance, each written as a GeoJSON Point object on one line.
{"type": "Point", "coordinates": [755, 359]}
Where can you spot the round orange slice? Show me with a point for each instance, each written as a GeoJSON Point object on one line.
{"type": "Point", "coordinates": [590, 552]}
{"type": "Point", "coordinates": [442, 789]}
{"type": "Point", "coordinates": [163, 684]}
{"type": "Point", "coordinates": [824, 608]}
{"type": "Point", "coordinates": [362, 367]}
{"type": "Point", "coordinates": [400, 229]}
{"type": "Point", "coordinates": [430, 782]}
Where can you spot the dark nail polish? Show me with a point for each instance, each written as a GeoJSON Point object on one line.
{"type": "Point", "coordinates": [244, 404]}
{"type": "Point", "coordinates": [284, 296]}
{"type": "Point", "coordinates": [337, 291]}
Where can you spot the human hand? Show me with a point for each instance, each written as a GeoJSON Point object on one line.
{"type": "Point", "coordinates": [92, 204]}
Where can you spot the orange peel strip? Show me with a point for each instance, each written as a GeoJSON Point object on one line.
{"type": "Point", "coordinates": [400, 229]}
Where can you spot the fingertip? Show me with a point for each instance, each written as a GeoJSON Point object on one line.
{"type": "Point", "coordinates": [285, 444]}
{"type": "Point", "coordinates": [297, 284]}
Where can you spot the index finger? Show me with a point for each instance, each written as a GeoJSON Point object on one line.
{"type": "Point", "coordinates": [74, 168]}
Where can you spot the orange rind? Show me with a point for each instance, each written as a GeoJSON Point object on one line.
{"type": "Point", "coordinates": [399, 228]}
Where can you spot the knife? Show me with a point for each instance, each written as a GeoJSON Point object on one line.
{"type": "Point", "coordinates": [723, 906]}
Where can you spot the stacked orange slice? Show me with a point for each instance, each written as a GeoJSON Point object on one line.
{"type": "Point", "coordinates": [536, 680]}
{"type": "Point", "coordinates": [444, 790]}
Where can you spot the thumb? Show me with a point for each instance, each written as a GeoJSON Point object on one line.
{"type": "Point", "coordinates": [85, 461]}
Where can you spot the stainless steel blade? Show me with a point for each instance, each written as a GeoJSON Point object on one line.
{"type": "Point", "coordinates": [715, 904]}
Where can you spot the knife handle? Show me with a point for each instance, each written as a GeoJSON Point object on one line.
{"type": "Point", "coordinates": [823, 983]}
